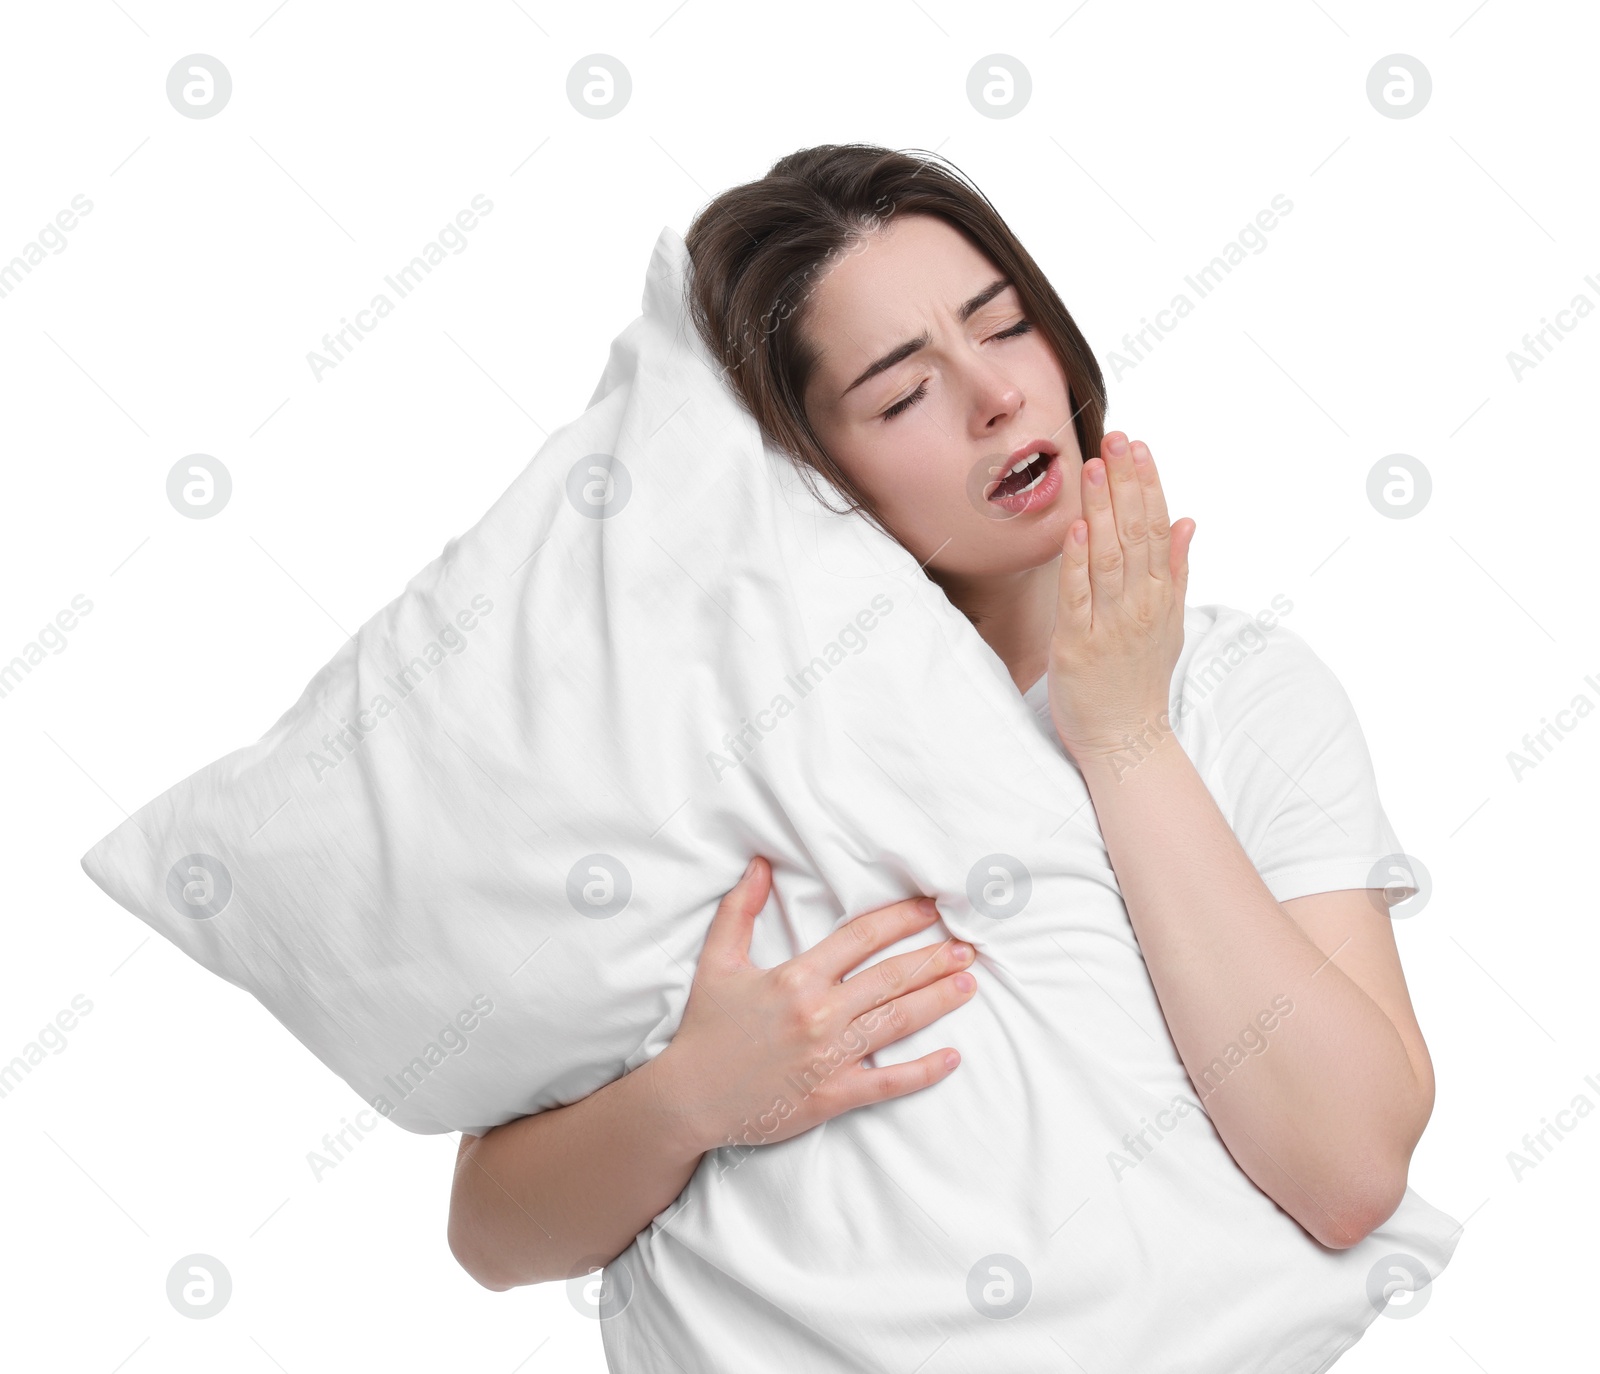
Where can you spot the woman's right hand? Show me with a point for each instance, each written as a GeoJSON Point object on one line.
{"type": "Point", "coordinates": [761, 1055]}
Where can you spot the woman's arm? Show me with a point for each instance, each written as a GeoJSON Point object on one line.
{"type": "Point", "coordinates": [537, 1197]}
{"type": "Point", "coordinates": [1325, 1117]}
{"type": "Point", "coordinates": [534, 1197]}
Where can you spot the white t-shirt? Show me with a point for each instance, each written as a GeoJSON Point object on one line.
{"type": "Point", "coordinates": [1061, 1201]}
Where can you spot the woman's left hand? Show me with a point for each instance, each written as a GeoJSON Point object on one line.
{"type": "Point", "coordinates": [1119, 607]}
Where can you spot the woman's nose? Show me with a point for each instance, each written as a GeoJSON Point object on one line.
{"type": "Point", "coordinates": [996, 398]}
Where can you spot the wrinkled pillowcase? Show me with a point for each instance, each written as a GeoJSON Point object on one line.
{"type": "Point", "coordinates": [472, 866]}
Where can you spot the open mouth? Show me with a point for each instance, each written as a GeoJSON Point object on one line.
{"type": "Point", "coordinates": [1024, 477]}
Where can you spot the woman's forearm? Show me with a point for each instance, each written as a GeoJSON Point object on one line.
{"type": "Point", "coordinates": [534, 1197]}
{"type": "Point", "coordinates": [1325, 1118]}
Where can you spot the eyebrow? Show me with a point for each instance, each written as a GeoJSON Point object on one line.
{"type": "Point", "coordinates": [901, 352]}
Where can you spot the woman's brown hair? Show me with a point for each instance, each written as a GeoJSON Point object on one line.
{"type": "Point", "coordinates": [757, 250]}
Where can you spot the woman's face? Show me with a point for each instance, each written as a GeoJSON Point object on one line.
{"type": "Point", "coordinates": [925, 409]}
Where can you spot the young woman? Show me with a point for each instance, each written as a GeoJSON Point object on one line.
{"type": "Point", "coordinates": [887, 330]}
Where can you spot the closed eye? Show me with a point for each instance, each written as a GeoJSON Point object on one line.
{"type": "Point", "coordinates": [900, 407]}
{"type": "Point", "coordinates": [907, 403]}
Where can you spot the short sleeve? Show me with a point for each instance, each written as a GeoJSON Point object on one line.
{"type": "Point", "coordinates": [1297, 778]}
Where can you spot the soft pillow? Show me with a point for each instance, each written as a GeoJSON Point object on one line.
{"type": "Point", "coordinates": [472, 867]}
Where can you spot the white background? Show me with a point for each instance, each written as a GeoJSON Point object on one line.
{"type": "Point", "coordinates": [177, 320]}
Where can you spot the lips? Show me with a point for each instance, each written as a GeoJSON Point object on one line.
{"type": "Point", "coordinates": [1021, 479]}
{"type": "Point", "coordinates": [1027, 466]}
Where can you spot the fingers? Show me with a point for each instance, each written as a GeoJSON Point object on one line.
{"type": "Point", "coordinates": [897, 1019]}
{"type": "Point", "coordinates": [1127, 507]}
{"type": "Point", "coordinates": [860, 1086]}
{"type": "Point", "coordinates": [1073, 594]}
{"type": "Point", "coordinates": [727, 943]}
{"type": "Point", "coordinates": [1158, 528]}
{"type": "Point", "coordinates": [1182, 537]}
{"type": "Point", "coordinates": [1105, 548]}
{"type": "Point", "coordinates": [1141, 543]}
{"type": "Point", "coordinates": [843, 949]}
{"type": "Point", "coordinates": [891, 978]}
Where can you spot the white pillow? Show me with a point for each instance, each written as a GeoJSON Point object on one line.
{"type": "Point", "coordinates": [656, 655]}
